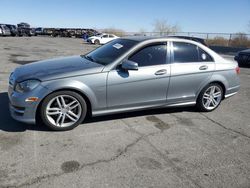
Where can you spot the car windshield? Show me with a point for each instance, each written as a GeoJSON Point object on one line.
{"type": "Point", "coordinates": [109, 52]}
{"type": "Point", "coordinates": [99, 35]}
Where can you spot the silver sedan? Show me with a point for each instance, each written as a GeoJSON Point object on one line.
{"type": "Point", "coordinates": [124, 75]}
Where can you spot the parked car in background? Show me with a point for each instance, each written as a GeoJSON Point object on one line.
{"type": "Point", "coordinates": [24, 29]}
{"type": "Point", "coordinates": [13, 29]}
{"type": "Point", "coordinates": [101, 38]}
{"type": "Point", "coordinates": [127, 74]}
{"type": "Point", "coordinates": [39, 31]}
{"type": "Point", "coordinates": [5, 31]}
{"type": "Point", "coordinates": [243, 57]}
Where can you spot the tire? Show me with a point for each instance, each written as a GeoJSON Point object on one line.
{"type": "Point", "coordinates": [97, 42]}
{"type": "Point", "coordinates": [208, 100]}
{"type": "Point", "coordinates": [62, 116]}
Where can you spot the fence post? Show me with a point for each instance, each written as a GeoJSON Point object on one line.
{"type": "Point", "coordinates": [229, 41]}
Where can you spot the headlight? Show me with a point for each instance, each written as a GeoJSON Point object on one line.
{"type": "Point", "coordinates": [26, 86]}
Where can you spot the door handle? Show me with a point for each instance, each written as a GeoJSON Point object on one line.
{"type": "Point", "coordinates": [161, 72]}
{"type": "Point", "coordinates": [203, 67]}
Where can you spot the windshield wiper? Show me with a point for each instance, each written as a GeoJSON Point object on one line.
{"type": "Point", "coordinates": [89, 58]}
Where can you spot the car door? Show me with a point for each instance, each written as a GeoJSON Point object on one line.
{"type": "Point", "coordinates": [146, 86]}
{"type": "Point", "coordinates": [191, 68]}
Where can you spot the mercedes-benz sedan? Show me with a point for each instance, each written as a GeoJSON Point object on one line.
{"type": "Point", "coordinates": [127, 74]}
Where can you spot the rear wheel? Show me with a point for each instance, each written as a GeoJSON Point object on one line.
{"type": "Point", "coordinates": [63, 110]}
{"type": "Point", "coordinates": [210, 97]}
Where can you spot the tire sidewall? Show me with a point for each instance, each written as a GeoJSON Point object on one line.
{"type": "Point", "coordinates": [200, 104]}
{"type": "Point", "coordinates": [51, 96]}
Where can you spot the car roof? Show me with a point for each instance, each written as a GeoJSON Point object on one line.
{"type": "Point", "coordinates": [145, 38]}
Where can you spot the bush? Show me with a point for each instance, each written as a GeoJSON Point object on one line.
{"type": "Point", "coordinates": [237, 40]}
{"type": "Point", "coordinates": [240, 40]}
{"type": "Point", "coordinates": [217, 41]}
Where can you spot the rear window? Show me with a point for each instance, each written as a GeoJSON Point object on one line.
{"type": "Point", "coordinates": [185, 52]}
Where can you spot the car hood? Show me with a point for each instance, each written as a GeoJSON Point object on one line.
{"type": "Point", "coordinates": [56, 68]}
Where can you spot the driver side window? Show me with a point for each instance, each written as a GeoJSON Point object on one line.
{"type": "Point", "coordinates": [150, 55]}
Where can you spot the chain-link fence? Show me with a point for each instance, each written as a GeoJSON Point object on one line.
{"type": "Point", "coordinates": [213, 39]}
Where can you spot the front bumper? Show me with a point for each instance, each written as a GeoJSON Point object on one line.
{"type": "Point", "coordinates": [21, 110]}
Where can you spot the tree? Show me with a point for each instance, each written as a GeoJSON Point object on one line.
{"type": "Point", "coordinates": [162, 27]}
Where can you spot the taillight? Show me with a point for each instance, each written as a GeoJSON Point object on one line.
{"type": "Point", "coordinates": [237, 69]}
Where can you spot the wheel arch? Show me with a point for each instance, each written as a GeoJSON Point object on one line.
{"type": "Point", "coordinates": [82, 94]}
{"type": "Point", "coordinates": [219, 82]}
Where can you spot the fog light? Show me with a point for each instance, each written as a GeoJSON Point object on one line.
{"type": "Point", "coordinates": [31, 99]}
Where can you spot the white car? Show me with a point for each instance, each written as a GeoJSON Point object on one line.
{"type": "Point", "coordinates": [101, 38]}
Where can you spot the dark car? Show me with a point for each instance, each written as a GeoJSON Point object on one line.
{"type": "Point", "coordinates": [39, 31]}
{"type": "Point", "coordinates": [243, 57]}
{"type": "Point", "coordinates": [13, 29]}
{"type": "Point", "coordinates": [24, 29]}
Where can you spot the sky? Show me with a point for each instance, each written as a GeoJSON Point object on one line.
{"type": "Point", "coordinates": [216, 16]}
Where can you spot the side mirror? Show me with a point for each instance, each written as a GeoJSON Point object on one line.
{"type": "Point", "coordinates": [236, 58]}
{"type": "Point", "coordinates": [129, 65]}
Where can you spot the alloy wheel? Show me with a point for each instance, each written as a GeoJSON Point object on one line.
{"type": "Point", "coordinates": [63, 111]}
{"type": "Point", "coordinates": [212, 97]}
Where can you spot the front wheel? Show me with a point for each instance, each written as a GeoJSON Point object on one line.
{"type": "Point", "coordinates": [63, 110]}
{"type": "Point", "coordinates": [210, 97]}
{"type": "Point", "coordinates": [97, 42]}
